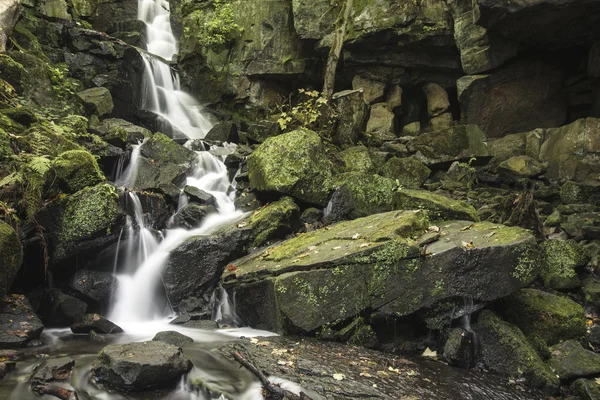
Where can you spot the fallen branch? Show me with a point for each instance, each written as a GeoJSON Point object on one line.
{"type": "Point", "coordinates": [268, 386]}
{"type": "Point", "coordinates": [56, 391]}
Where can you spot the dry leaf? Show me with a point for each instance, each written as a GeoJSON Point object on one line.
{"type": "Point", "coordinates": [338, 377]}
{"type": "Point", "coordinates": [466, 228]}
{"type": "Point", "coordinates": [365, 245]}
{"type": "Point", "coordinates": [468, 245]}
{"type": "Point", "coordinates": [366, 374]}
{"type": "Point", "coordinates": [396, 370]}
{"type": "Point", "coordinates": [336, 247]}
{"type": "Point", "coordinates": [231, 268]}
{"type": "Point", "coordinates": [303, 255]}
{"type": "Point", "coordinates": [242, 224]}
{"type": "Point", "coordinates": [429, 353]}
{"type": "Point", "coordinates": [355, 236]}
{"type": "Point", "coordinates": [433, 228]}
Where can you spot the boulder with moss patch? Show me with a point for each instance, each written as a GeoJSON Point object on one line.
{"type": "Point", "coordinates": [358, 159]}
{"type": "Point", "coordinates": [98, 100]}
{"type": "Point", "coordinates": [553, 318]}
{"type": "Point", "coordinates": [374, 264]}
{"type": "Point", "coordinates": [562, 259]}
{"type": "Point", "coordinates": [439, 206]}
{"type": "Point", "coordinates": [76, 169]}
{"type": "Point", "coordinates": [11, 256]}
{"type": "Point", "coordinates": [274, 221]}
{"type": "Point", "coordinates": [295, 164]}
{"type": "Point", "coordinates": [410, 173]}
{"type": "Point", "coordinates": [505, 350]}
{"type": "Point", "coordinates": [570, 361]}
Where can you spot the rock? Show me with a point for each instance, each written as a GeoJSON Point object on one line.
{"type": "Point", "coordinates": [591, 291]}
{"type": "Point", "coordinates": [173, 338]}
{"type": "Point", "coordinates": [95, 322]}
{"type": "Point", "coordinates": [55, 9]}
{"type": "Point", "coordinates": [52, 370]}
{"type": "Point", "coordinates": [6, 367]}
{"type": "Point", "coordinates": [371, 263]}
{"type": "Point", "coordinates": [571, 150]}
{"type": "Point", "coordinates": [59, 309]}
{"type": "Point", "coordinates": [110, 127]}
{"type": "Point", "coordinates": [11, 256]}
{"type": "Point", "coordinates": [438, 206]}
{"type": "Point", "coordinates": [505, 350]}
{"type": "Point", "coordinates": [570, 361]}
{"type": "Point", "coordinates": [460, 348]}
{"type": "Point", "coordinates": [98, 99]}
{"type": "Point", "coordinates": [437, 99]}
{"type": "Point", "coordinates": [562, 258]}
{"type": "Point", "coordinates": [381, 124]}
{"type": "Point", "coordinates": [140, 366]}
{"type": "Point", "coordinates": [84, 8]}
{"type": "Point", "coordinates": [200, 196]}
{"type": "Point", "coordinates": [202, 324]}
{"type": "Point", "coordinates": [373, 91]}
{"type": "Point", "coordinates": [76, 169]}
{"type": "Point", "coordinates": [519, 167]}
{"type": "Point", "coordinates": [580, 192]}
{"type": "Point", "coordinates": [412, 129]}
{"type": "Point", "coordinates": [495, 101]}
{"type": "Point", "coordinates": [358, 159]}
{"type": "Point", "coordinates": [442, 121]}
{"type": "Point", "coordinates": [262, 130]}
{"type": "Point", "coordinates": [223, 132]}
{"type": "Point", "coordinates": [93, 287]}
{"type": "Point", "coordinates": [586, 389]}
{"type": "Point", "coordinates": [553, 318]}
{"type": "Point", "coordinates": [294, 164]}
{"type": "Point", "coordinates": [10, 13]}
{"type": "Point", "coordinates": [352, 117]}
{"type": "Point", "coordinates": [459, 143]}
{"type": "Point", "coordinates": [191, 215]}
{"type": "Point", "coordinates": [274, 221]}
{"type": "Point", "coordinates": [19, 323]}
{"type": "Point", "coordinates": [409, 172]}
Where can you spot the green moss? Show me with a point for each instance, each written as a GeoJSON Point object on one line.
{"type": "Point", "coordinates": [440, 207]}
{"type": "Point", "coordinates": [365, 194]}
{"type": "Point", "coordinates": [357, 159]}
{"type": "Point", "coordinates": [47, 139]}
{"type": "Point", "coordinates": [11, 256]}
{"type": "Point", "coordinates": [561, 259]}
{"type": "Point", "coordinates": [409, 172]}
{"type": "Point", "coordinates": [12, 71]}
{"type": "Point", "coordinates": [36, 174]}
{"type": "Point", "coordinates": [77, 169]}
{"type": "Point", "coordinates": [276, 219]}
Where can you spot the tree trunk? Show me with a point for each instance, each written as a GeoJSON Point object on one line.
{"type": "Point", "coordinates": [336, 49]}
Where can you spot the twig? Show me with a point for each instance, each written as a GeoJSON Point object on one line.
{"type": "Point", "coordinates": [270, 387]}
{"type": "Point", "coordinates": [56, 391]}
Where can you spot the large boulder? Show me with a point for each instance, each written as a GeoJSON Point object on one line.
{"type": "Point", "coordinates": [495, 101]}
{"type": "Point", "coordinates": [274, 221]}
{"type": "Point", "coordinates": [11, 256]}
{"type": "Point", "coordinates": [76, 169]}
{"type": "Point", "coordinates": [19, 323]}
{"type": "Point", "coordinates": [571, 361]}
{"type": "Point", "coordinates": [96, 323]}
{"type": "Point", "coordinates": [98, 100]}
{"type": "Point", "coordinates": [459, 143]}
{"type": "Point", "coordinates": [59, 309]}
{"type": "Point", "coordinates": [552, 318]}
{"type": "Point", "coordinates": [294, 164]}
{"type": "Point", "coordinates": [409, 172]}
{"type": "Point", "coordinates": [93, 287]}
{"type": "Point", "coordinates": [562, 259]}
{"type": "Point", "coordinates": [571, 151]}
{"type": "Point", "coordinates": [173, 338]}
{"type": "Point", "coordinates": [373, 263]}
{"type": "Point", "coordinates": [437, 205]}
{"type": "Point", "coordinates": [140, 366]}
{"type": "Point", "coordinates": [505, 350]}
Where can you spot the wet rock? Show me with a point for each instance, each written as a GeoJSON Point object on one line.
{"type": "Point", "coordinates": [93, 287]}
{"type": "Point", "coordinates": [19, 324]}
{"type": "Point", "coordinates": [202, 324]}
{"type": "Point", "coordinates": [570, 360]}
{"type": "Point", "coordinates": [494, 101]}
{"type": "Point", "coordinates": [571, 150]}
{"type": "Point", "coordinates": [373, 91]}
{"type": "Point", "coordinates": [110, 127]}
{"type": "Point", "coordinates": [12, 355]}
{"type": "Point", "coordinates": [586, 389]}
{"type": "Point", "coordinates": [519, 167]}
{"type": "Point", "coordinates": [358, 159]}
{"type": "Point", "coordinates": [505, 350]}
{"type": "Point", "coordinates": [459, 143]}
{"type": "Point", "coordinates": [76, 169]}
{"type": "Point", "coordinates": [262, 130]}
{"type": "Point", "coordinates": [95, 322]}
{"type": "Point", "coordinates": [11, 256]}
{"type": "Point", "coordinates": [140, 366]}
{"type": "Point", "coordinates": [442, 121]}
{"type": "Point", "coordinates": [372, 264]}
{"type": "Point", "coordinates": [200, 196]}
{"type": "Point", "coordinates": [59, 309]}
{"type": "Point", "coordinates": [460, 348]}
{"type": "Point", "coordinates": [52, 370]}
{"type": "Point", "coordinates": [409, 172]}
{"type": "Point", "coordinates": [98, 100]}
{"type": "Point", "coordinates": [223, 132]}
{"type": "Point", "coordinates": [438, 206]}
{"type": "Point", "coordinates": [381, 124]}
{"type": "Point", "coordinates": [294, 164]}
{"type": "Point", "coordinates": [6, 367]}
{"type": "Point", "coordinates": [553, 318]}
{"type": "Point", "coordinates": [55, 9]}
{"type": "Point", "coordinates": [191, 215]}
{"type": "Point", "coordinates": [10, 15]}
{"type": "Point", "coordinates": [562, 259]}
{"type": "Point", "coordinates": [274, 221]}
{"type": "Point", "coordinates": [352, 117]}
{"type": "Point", "coordinates": [173, 338]}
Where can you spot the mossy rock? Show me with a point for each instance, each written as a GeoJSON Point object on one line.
{"type": "Point", "coordinates": [562, 258]}
{"type": "Point", "coordinates": [8, 94]}
{"type": "Point", "coordinates": [11, 256]}
{"type": "Point", "coordinates": [519, 167]}
{"type": "Point", "coordinates": [358, 159]}
{"type": "Point", "coordinates": [76, 124]}
{"type": "Point", "coordinates": [11, 126]}
{"type": "Point", "coordinates": [44, 139]}
{"type": "Point", "coordinates": [293, 163]}
{"type": "Point", "coordinates": [12, 71]}
{"type": "Point", "coordinates": [580, 192]}
{"type": "Point", "coordinates": [98, 100]}
{"type": "Point", "coordinates": [553, 318]}
{"type": "Point", "coordinates": [591, 290]}
{"type": "Point", "coordinates": [505, 350]}
{"type": "Point", "coordinates": [163, 150]}
{"type": "Point", "coordinates": [409, 173]}
{"type": "Point", "coordinates": [77, 169]}
{"type": "Point", "coordinates": [439, 206]}
{"type": "Point", "coordinates": [586, 389]}
{"type": "Point", "coordinates": [274, 221]}
{"type": "Point", "coordinates": [570, 361]}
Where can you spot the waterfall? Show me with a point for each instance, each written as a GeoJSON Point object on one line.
{"type": "Point", "coordinates": [140, 295]}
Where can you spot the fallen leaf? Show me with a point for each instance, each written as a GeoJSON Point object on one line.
{"type": "Point", "coordinates": [336, 247]}
{"type": "Point", "coordinates": [303, 255]}
{"type": "Point", "coordinates": [412, 372]}
{"type": "Point", "coordinates": [253, 340]}
{"type": "Point", "coordinates": [365, 245]}
{"type": "Point", "coordinates": [489, 235]}
{"type": "Point", "coordinates": [231, 268]}
{"type": "Point", "coordinates": [382, 373]}
{"type": "Point", "coordinates": [242, 225]}
{"type": "Point", "coordinates": [396, 370]}
{"type": "Point", "coordinates": [366, 374]}
{"type": "Point", "coordinates": [467, 245]}
{"type": "Point", "coordinates": [338, 377]}
{"type": "Point", "coordinates": [355, 236]}
{"type": "Point", "coordinates": [466, 228]}
{"type": "Point", "coordinates": [429, 353]}
{"type": "Point", "coordinates": [433, 228]}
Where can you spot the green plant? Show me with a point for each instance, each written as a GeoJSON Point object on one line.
{"type": "Point", "coordinates": [308, 113]}
{"type": "Point", "coordinates": [216, 28]}
{"type": "Point", "coordinates": [62, 85]}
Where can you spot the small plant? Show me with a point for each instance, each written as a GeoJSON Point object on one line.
{"type": "Point", "coordinates": [216, 28]}
{"type": "Point", "coordinates": [309, 113]}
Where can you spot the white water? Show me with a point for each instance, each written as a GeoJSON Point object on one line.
{"type": "Point", "coordinates": [127, 178]}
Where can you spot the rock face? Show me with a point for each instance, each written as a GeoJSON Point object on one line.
{"type": "Point", "coordinates": [59, 309]}
{"type": "Point", "coordinates": [93, 287]}
{"type": "Point", "coordinates": [19, 324]}
{"type": "Point", "coordinates": [373, 264]}
{"type": "Point", "coordinates": [140, 366]}
{"type": "Point", "coordinates": [294, 164]}
{"type": "Point", "coordinates": [570, 361]}
{"type": "Point", "coordinates": [55, 369]}
{"type": "Point", "coordinates": [9, 15]}
{"type": "Point", "coordinates": [11, 256]}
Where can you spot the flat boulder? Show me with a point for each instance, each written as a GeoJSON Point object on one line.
{"type": "Point", "coordinates": [173, 338]}
{"type": "Point", "coordinates": [19, 323]}
{"type": "Point", "coordinates": [438, 205]}
{"type": "Point", "coordinates": [140, 366]}
{"type": "Point", "coordinates": [96, 323]}
{"type": "Point", "coordinates": [571, 361]}
{"type": "Point", "coordinates": [52, 370]}
{"type": "Point", "coordinates": [387, 263]}
{"type": "Point", "coordinates": [98, 100]}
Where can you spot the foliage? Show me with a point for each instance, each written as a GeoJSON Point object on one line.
{"type": "Point", "coordinates": [216, 28]}
{"type": "Point", "coordinates": [62, 85]}
{"type": "Point", "coordinates": [35, 179]}
{"type": "Point", "coordinates": [312, 112]}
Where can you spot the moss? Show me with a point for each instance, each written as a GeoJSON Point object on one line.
{"type": "Point", "coordinates": [561, 259]}
{"type": "Point", "coordinates": [591, 290]}
{"type": "Point", "coordinates": [365, 194]}
{"type": "Point", "coordinates": [76, 124]}
{"type": "Point", "coordinates": [357, 159]}
{"type": "Point", "coordinates": [440, 207]}
{"type": "Point", "coordinates": [409, 172]}
{"type": "Point", "coordinates": [274, 220]}
{"type": "Point", "coordinates": [552, 318]}
{"type": "Point", "coordinates": [12, 71]}
{"type": "Point", "coordinates": [164, 150]}
{"type": "Point", "coordinates": [36, 174]}
{"type": "Point", "coordinates": [10, 126]}
{"type": "Point", "coordinates": [11, 256]}
{"type": "Point", "coordinates": [47, 139]}
{"type": "Point", "coordinates": [77, 169]}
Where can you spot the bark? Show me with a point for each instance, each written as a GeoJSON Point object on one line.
{"type": "Point", "coordinates": [336, 49]}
